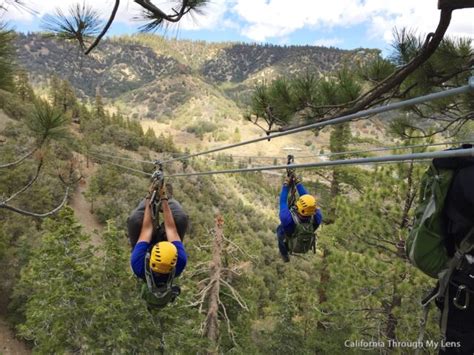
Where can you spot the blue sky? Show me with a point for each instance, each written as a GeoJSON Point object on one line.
{"type": "Point", "coordinates": [346, 24]}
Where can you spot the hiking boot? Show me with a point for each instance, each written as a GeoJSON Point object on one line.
{"type": "Point", "coordinates": [285, 258]}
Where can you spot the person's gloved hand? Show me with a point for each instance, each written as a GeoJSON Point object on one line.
{"type": "Point", "coordinates": [292, 179]}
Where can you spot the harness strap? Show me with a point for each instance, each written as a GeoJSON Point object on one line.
{"type": "Point", "coordinates": [294, 216]}
{"type": "Point", "coordinates": [423, 321]}
{"type": "Point", "coordinates": [297, 220]}
{"type": "Point", "coordinates": [158, 291]}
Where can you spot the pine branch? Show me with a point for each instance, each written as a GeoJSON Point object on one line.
{"type": "Point", "coordinates": [158, 16]}
{"type": "Point", "coordinates": [197, 272]}
{"type": "Point", "coordinates": [431, 43]}
{"type": "Point", "coordinates": [378, 246]}
{"type": "Point", "coordinates": [39, 215]}
{"type": "Point", "coordinates": [236, 296]}
{"type": "Point", "coordinates": [238, 248]}
{"type": "Point", "coordinates": [106, 28]}
{"type": "Point", "coordinates": [226, 317]}
{"type": "Point", "coordinates": [26, 187]}
{"type": "Point", "coordinates": [460, 120]}
{"type": "Point", "coordinates": [369, 98]}
{"type": "Point", "coordinates": [19, 161]}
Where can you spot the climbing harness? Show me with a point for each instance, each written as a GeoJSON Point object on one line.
{"type": "Point", "coordinates": [157, 295]}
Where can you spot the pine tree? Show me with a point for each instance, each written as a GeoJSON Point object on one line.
{"type": "Point", "coordinates": [23, 87]}
{"type": "Point", "coordinates": [371, 265]}
{"type": "Point", "coordinates": [92, 192]}
{"type": "Point", "coordinates": [119, 320]}
{"type": "Point", "coordinates": [67, 97]}
{"type": "Point", "coordinates": [7, 55]}
{"type": "Point", "coordinates": [56, 285]}
{"type": "Point", "coordinates": [55, 91]}
{"type": "Point", "coordinates": [99, 107]}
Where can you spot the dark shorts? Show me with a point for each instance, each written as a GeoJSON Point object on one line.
{"type": "Point", "coordinates": [135, 220]}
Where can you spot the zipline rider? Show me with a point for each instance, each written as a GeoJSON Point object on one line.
{"type": "Point", "coordinates": [298, 219]}
{"type": "Point", "coordinates": [160, 263]}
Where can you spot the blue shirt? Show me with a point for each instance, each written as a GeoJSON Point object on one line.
{"type": "Point", "coordinates": [137, 260]}
{"type": "Point", "coordinates": [287, 225]}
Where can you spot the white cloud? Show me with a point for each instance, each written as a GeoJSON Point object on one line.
{"type": "Point", "coordinates": [213, 14]}
{"type": "Point", "coordinates": [127, 9]}
{"type": "Point", "coordinates": [328, 42]}
{"type": "Point", "coordinates": [261, 20]}
{"type": "Point", "coordinates": [265, 19]}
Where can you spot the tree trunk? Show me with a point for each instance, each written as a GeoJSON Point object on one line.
{"type": "Point", "coordinates": [408, 198]}
{"type": "Point", "coordinates": [211, 329]}
{"type": "Point", "coordinates": [391, 319]}
{"type": "Point", "coordinates": [334, 192]}
{"type": "Point", "coordinates": [324, 279]}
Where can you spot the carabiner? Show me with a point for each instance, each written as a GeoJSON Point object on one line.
{"type": "Point", "coordinates": [457, 298]}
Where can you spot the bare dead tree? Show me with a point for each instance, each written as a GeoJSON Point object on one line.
{"type": "Point", "coordinates": [216, 284]}
{"type": "Point", "coordinates": [211, 324]}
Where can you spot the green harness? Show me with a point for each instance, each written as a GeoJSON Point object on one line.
{"type": "Point", "coordinates": [158, 295]}
{"type": "Point", "coordinates": [303, 237]}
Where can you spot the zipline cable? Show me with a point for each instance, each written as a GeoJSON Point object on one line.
{"type": "Point", "coordinates": [358, 161]}
{"type": "Point", "coordinates": [121, 166]}
{"type": "Point", "coordinates": [349, 152]}
{"type": "Point", "coordinates": [264, 171]}
{"type": "Point", "coordinates": [380, 109]}
{"type": "Point", "coordinates": [123, 158]}
{"type": "Point", "coordinates": [400, 147]}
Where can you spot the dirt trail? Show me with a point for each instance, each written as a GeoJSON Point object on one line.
{"type": "Point", "coordinates": [82, 207]}
{"type": "Point", "coordinates": [9, 345]}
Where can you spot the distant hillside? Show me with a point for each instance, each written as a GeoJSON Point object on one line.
{"type": "Point", "coordinates": [114, 69]}
{"type": "Point", "coordinates": [152, 77]}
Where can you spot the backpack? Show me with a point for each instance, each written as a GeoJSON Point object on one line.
{"type": "Point", "coordinates": [158, 295]}
{"type": "Point", "coordinates": [303, 237]}
{"type": "Point", "coordinates": [425, 245]}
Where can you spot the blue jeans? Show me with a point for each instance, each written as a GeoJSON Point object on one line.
{"type": "Point", "coordinates": [281, 241]}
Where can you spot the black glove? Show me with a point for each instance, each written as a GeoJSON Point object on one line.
{"type": "Point", "coordinates": [292, 179]}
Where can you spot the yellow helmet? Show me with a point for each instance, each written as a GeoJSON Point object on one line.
{"type": "Point", "coordinates": [163, 258]}
{"type": "Point", "coordinates": [306, 205]}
